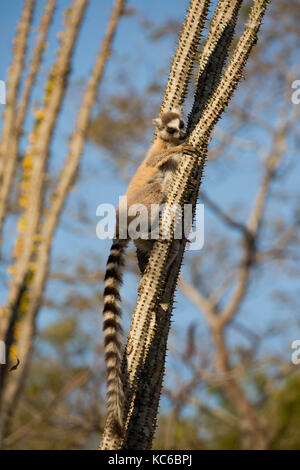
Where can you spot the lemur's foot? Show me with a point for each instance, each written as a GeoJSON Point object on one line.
{"type": "Point", "coordinates": [193, 183]}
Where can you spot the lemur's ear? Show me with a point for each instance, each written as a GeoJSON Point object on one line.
{"type": "Point", "coordinates": [157, 122]}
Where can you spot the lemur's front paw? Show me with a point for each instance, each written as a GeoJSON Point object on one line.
{"type": "Point", "coordinates": [188, 147]}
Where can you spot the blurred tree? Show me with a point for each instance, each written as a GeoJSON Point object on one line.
{"type": "Point", "coordinates": [39, 219]}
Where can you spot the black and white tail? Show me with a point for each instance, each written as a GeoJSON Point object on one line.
{"type": "Point", "coordinates": [113, 335]}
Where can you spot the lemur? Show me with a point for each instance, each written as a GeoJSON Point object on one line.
{"type": "Point", "coordinates": [148, 186]}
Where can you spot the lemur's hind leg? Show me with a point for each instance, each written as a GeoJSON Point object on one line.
{"type": "Point", "coordinates": [142, 204]}
{"type": "Point", "coordinates": [173, 253]}
{"type": "Point", "coordinates": [143, 258]}
{"type": "Point", "coordinates": [145, 206]}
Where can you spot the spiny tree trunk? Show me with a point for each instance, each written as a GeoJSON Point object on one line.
{"type": "Point", "coordinates": [32, 264]}
{"type": "Point", "coordinates": [10, 128]}
{"type": "Point", "coordinates": [144, 357]}
{"type": "Point", "coordinates": [10, 143]}
{"type": "Point", "coordinates": [33, 190]}
{"type": "Point", "coordinates": [35, 166]}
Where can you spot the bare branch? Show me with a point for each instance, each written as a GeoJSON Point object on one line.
{"type": "Point", "coordinates": [221, 214]}
{"type": "Point", "coordinates": [75, 382]}
{"type": "Point", "coordinates": [199, 300]}
{"type": "Point", "coordinates": [255, 218]}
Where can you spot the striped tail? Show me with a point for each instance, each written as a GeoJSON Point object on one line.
{"type": "Point", "coordinates": [113, 335]}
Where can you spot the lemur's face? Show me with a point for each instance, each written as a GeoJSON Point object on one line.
{"type": "Point", "coordinates": [170, 127]}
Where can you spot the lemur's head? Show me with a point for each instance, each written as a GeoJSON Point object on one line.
{"type": "Point", "coordinates": [170, 126]}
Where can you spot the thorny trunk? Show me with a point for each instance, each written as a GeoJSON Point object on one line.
{"type": "Point", "coordinates": [10, 143]}
{"type": "Point", "coordinates": [9, 131]}
{"type": "Point", "coordinates": [34, 192]}
{"type": "Point", "coordinates": [144, 358]}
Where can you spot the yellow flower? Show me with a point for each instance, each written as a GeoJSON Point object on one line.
{"type": "Point", "coordinates": [40, 113]}
{"type": "Point", "coordinates": [11, 270]}
{"type": "Point", "coordinates": [32, 266]}
{"type": "Point", "coordinates": [49, 86]}
{"type": "Point", "coordinates": [18, 247]}
{"type": "Point", "coordinates": [23, 303]}
{"type": "Point", "coordinates": [17, 330]}
{"type": "Point", "coordinates": [21, 224]}
{"type": "Point", "coordinates": [23, 201]}
{"type": "Point", "coordinates": [13, 352]}
{"type": "Point", "coordinates": [27, 162]}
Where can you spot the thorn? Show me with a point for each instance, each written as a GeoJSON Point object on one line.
{"type": "Point", "coordinates": [15, 366]}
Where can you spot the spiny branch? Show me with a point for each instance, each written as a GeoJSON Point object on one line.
{"type": "Point", "coordinates": [144, 359]}
{"type": "Point", "coordinates": [38, 154]}
{"type": "Point", "coordinates": [213, 56]}
{"type": "Point", "coordinates": [184, 58]}
{"type": "Point", "coordinates": [10, 129]}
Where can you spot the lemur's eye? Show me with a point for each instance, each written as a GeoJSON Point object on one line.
{"type": "Point", "coordinates": [181, 125]}
{"type": "Point", "coordinates": [171, 130]}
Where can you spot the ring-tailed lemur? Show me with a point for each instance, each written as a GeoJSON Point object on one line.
{"type": "Point", "coordinates": [148, 186]}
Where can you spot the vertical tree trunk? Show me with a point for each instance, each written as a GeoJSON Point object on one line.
{"type": "Point", "coordinates": [38, 154]}
{"type": "Point", "coordinates": [144, 358]}
{"type": "Point", "coordinates": [10, 128]}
